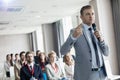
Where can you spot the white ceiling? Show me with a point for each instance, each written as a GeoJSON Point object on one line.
{"type": "Point", "coordinates": [24, 16]}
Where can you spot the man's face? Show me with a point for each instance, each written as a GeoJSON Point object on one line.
{"type": "Point", "coordinates": [88, 16]}
{"type": "Point", "coordinates": [30, 58]}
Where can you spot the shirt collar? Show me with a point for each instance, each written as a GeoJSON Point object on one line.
{"type": "Point", "coordinates": [31, 64]}
{"type": "Point", "coordinates": [86, 27]}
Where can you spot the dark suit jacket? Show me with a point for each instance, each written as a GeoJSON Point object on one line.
{"type": "Point", "coordinates": [26, 75]}
{"type": "Point", "coordinates": [36, 59]}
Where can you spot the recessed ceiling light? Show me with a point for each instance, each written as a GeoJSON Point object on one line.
{"type": "Point", "coordinates": [7, 1]}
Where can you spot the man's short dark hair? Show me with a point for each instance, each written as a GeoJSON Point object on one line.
{"type": "Point", "coordinates": [84, 8]}
{"type": "Point", "coordinates": [29, 52]}
{"type": "Point", "coordinates": [23, 52]}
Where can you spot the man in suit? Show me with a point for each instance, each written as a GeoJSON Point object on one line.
{"type": "Point", "coordinates": [89, 47]}
{"type": "Point", "coordinates": [30, 71]}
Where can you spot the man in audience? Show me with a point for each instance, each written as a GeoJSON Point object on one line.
{"type": "Point", "coordinates": [36, 58]}
{"type": "Point", "coordinates": [30, 71]}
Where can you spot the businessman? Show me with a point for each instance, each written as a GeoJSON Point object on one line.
{"type": "Point", "coordinates": [89, 47]}
{"type": "Point", "coordinates": [30, 71]}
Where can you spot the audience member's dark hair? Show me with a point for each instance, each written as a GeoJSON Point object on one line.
{"type": "Point", "coordinates": [22, 53]}
{"type": "Point", "coordinates": [29, 52]}
{"type": "Point", "coordinates": [16, 54]}
{"type": "Point", "coordinates": [37, 52]}
{"type": "Point", "coordinates": [11, 55]}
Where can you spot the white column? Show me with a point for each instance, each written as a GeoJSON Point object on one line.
{"type": "Point", "coordinates": [39, 39]}
{"type": "Point", "coordinates": [105, 22]}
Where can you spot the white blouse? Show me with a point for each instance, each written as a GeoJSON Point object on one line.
{"type": "Point", "coordinates": [69, 70]}
{"type": "Point", "coordinates": [7, 66]}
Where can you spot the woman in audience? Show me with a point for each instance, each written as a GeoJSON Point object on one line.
{"type": "Point", "coordinates": [53, 69]}
{"type": "Point", "coordinates": [19, 64]}
{"type": "Point", "coordinates": [16, 58]}
{"type": "Point", "coordinates": [69, 66]}
{"type": "Point", "coordinates": [43, 62]}
{"type": "Point", "coordinates": [12, 60]}
{"type": "Point", "coordinates": [7, 65]}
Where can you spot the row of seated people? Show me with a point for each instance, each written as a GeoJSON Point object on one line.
{"type": "Point", "coordinates": [40, 67]}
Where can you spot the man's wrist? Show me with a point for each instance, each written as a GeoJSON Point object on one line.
{"type": "Point", "coordinates": [73, 38]}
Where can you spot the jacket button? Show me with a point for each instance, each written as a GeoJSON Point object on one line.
{"type": "Point", "coordinates": [90, 60]}
{"type": "Point", "coordinates": [90, 51]}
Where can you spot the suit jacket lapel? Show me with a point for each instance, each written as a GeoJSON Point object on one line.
{"type": "Point", "coordinates": [34, 69]}
{"type": "Point", "coordinates": [86, 38]}
{"type": "Point", "coordinates": [27, 72]}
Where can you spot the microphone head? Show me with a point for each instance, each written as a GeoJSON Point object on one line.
{"type": "Point", "coordinates": [94, 26]}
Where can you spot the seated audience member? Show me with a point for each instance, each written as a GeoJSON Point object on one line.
{"type": "Point", "coordinates": [7, 65]}
{"type": "Point", "coordinates": [31, 71]}
{"type": "Point", "coordinates": [53, 69]}
{"type": "Point", "coordinates": [36, 58]}
{"type": "Point", "coordinates": [69, 66]}
{"type": "Point", "coordinates": [43, 62]}
{"type": "Point", "coordinates": [12, 59]}
{"type": "Point", "coordinates": [19, 64]}
{"type": "Point", "coordinates": [16, 58]}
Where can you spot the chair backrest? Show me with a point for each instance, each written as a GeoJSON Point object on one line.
{"type": "Point", "coordinates": [108, 68]}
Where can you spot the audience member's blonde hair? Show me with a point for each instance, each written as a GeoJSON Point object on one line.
{"type": "Point", "coordinates": [51, 53]}
{"type": "Point", "coordinates": [70, 56]}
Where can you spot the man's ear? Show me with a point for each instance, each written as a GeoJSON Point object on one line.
{"type": "Point", "coordinates": [81, 16]}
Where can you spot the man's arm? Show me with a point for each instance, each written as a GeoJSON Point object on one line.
{"type": "Point", "coordinates": [68, 44]}
{"type": "Point", "coordinates": [73, 36]}
{"type": "Point", "coordinates": [102, 44]}
{"type": "Point", "coordinates": [104, 48]}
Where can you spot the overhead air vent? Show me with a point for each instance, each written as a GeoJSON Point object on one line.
{"type": "Point", "coordinates": [14, 9]}
{"type": "Point", "coordinates": [11, 9]}
{"type": "Point", "coordinates": [4, 23]}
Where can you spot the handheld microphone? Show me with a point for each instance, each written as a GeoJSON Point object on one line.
{"type": "Point", "coordinates": [95, 29]}
{"type": "Point", "coordinates": [94, 26]}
